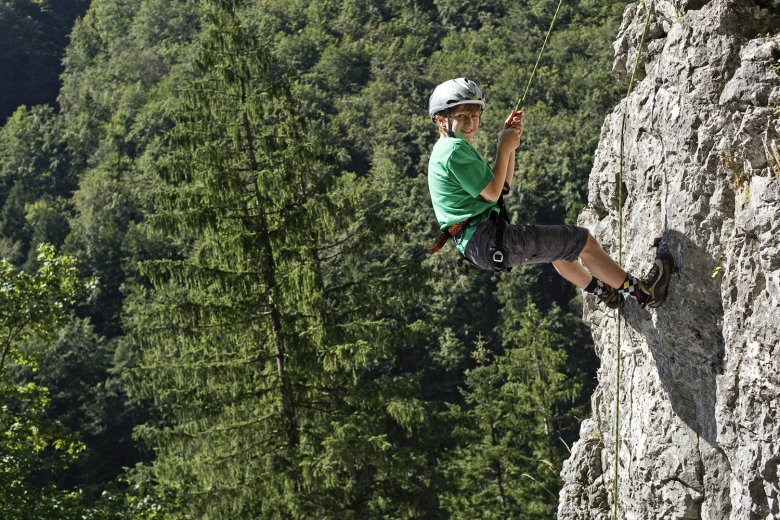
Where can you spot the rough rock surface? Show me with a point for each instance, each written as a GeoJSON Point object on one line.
{"type": "Point", "coordinates": [699, 378]}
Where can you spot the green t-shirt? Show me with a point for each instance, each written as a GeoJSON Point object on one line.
{"type": "Point", "coordinates": [457, 174]}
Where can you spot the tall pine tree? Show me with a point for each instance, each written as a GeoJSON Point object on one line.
{"type": "Point", "coordinates": [263, 338]}
{"type": "Point", "coordinates": [517, 407]}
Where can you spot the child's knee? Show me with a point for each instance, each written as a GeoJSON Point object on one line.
{"type": "Point", "coordinates": [591, 246]}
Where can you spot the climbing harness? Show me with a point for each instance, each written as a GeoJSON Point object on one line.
{"type": "Point", "coordinates": [497, 252]}
{"type": "Point", "coordinates": [447, 234]}
{"type": "Point", "coordinates": [615, 508]}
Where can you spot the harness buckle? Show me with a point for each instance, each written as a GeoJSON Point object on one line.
{"type": "Point", "coordinates": [498, 262]}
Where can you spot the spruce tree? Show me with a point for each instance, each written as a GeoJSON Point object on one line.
{"type": "Point", "coordinates": [516, 408]}
{"type": "Point", "coordinates": [262, 337]}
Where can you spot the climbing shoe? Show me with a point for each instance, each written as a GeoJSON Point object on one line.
{"type": "Point", "coordinates": [612, 299]}
{"type": "Point", "coordinates": [656, 285]}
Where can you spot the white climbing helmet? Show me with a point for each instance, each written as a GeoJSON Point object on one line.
{"type": "Point", "coordinates": [454, 92]}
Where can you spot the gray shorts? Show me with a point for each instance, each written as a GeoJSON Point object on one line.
{"type": "Point", "coordinates": [526, 244]}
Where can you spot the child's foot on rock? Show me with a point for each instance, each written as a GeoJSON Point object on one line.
{"type": "Point", "coordinates": [656, 285]}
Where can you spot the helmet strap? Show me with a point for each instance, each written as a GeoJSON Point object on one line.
{"type": "Point", "coordinates": [450, 133]}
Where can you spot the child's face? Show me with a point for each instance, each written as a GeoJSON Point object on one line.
{"type": "Point", "coordinates": [465, 121]}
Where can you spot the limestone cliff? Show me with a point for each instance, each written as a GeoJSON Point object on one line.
{"type": "Point", "coordinates": [699, 379]}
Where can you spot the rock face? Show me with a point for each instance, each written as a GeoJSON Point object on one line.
{"type": "Point", "coordinates": [698, 379]}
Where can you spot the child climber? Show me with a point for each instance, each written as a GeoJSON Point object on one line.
{"type": "Point", "coordinates": [466, 194]}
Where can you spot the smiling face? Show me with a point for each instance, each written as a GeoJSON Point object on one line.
{"type": "Point", "coordinates": [465, 121]}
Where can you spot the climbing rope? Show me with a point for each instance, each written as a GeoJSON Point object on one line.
{"type": "Point", "coordinates": [521, 101]}
{"type": "Point", "coordinates": [615, 508]}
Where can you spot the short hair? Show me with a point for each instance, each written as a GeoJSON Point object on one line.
{"type": "Point", "coordinates": [468, 107]}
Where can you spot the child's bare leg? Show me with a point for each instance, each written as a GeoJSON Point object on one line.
{"type": "Point", "coordinates": [573, 272]}
{"type": "Point", "coordinates": [600, 264]}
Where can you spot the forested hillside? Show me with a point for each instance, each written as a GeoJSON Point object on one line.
{"type": "Point", "coordinates": [33, 35]}
{"type": "Point", "coordinates": [216, 301]}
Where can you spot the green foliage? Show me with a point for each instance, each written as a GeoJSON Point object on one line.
{"type": "Point", "coordinates": [35, 448]}
{"type": "Point", "coordinates": [34, 304]}
{"type": "Point", "coordinates": [105, 210]}
{"type": "Point", "coordinates": [121, 69]}
{"type": "Point", "coordinates": [117, 73]}
{"type": "Point", "coordinates": [510, 454]}
{"type": "Point", "coordinates": [255, 337]}
{"type": "Point", "coordinates": [81, 371]}
{"type": "Point", "coordinates": [34, 182]}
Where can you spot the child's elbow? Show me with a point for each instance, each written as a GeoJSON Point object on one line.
{"type": "Point", "coordinates": [489, 196]}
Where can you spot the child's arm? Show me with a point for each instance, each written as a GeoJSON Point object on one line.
{"type": "Point", "coordinates": [510, 172]}
{"type": "Point", "coordinates": [516, 118]}
{"type": "Point", "coordinates": [504, 167]}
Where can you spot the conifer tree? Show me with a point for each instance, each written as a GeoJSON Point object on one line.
{"type": "Point", "coordinates": [34, 183]}
{"type": "Point", "coordinates": [263, 340]}
{"type": "Point", "coordinates": [508, 463]}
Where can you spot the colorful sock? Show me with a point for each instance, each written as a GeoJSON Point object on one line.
{"type": "Point", "coordinates": [632, 287]}
{"type": "Point", "coordinates": [599, 288]}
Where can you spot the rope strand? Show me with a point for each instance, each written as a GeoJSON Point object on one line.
{"type": "Point", "coordinates": [521, 101]}
{"type": "Point", "coordinates": [615, 509]}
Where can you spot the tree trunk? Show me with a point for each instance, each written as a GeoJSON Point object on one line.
{"type": "Point", "coordinates": [269, 278]}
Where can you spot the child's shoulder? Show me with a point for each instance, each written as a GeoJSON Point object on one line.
{"type": "Point", "coordinates": [451, 144]}
{"type": "Point", "coordinates": [461, 150]}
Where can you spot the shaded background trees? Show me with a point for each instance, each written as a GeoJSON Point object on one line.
{"type": "Point", "coordinates": [33, 35]}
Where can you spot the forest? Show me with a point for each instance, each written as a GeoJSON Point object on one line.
{"type": "Point", "coordinates": [215, 297]}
